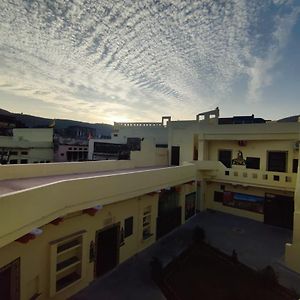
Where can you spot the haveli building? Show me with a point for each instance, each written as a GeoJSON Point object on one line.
{"type": "Point", "coordinates": [64, 224]}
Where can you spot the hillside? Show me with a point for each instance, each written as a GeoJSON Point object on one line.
{"type": "Point", "coordinates": [60, 124]}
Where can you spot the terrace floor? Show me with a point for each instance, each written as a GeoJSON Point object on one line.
{"type": "Point", "coordinates": [257, 245]}
{"type": "Point", "coordinates": [14, 185]}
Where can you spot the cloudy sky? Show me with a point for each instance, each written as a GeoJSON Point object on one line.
{"type": "Point", "coordinates": [105, 61]}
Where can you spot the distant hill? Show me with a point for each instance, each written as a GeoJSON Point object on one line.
{"type": "Point", "coordinates": [290, 119]}
{"type": "Point", "coordinates": [60, 124]}
{"type": "Point", "coordinates": [4, 112]}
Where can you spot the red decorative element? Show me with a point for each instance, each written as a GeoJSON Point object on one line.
{"type": "Point", "coordinates": [177, 188]}
{"type": "Point", "coordinates": [227, 197]}
{"type": "Point", "coordinates": [242, 143]}
{"type": "Point", "coordinates": [90, 211]}
{"type": "Point", "coordinates": [26, 238]}
{"type": "Point", "coordinates": [57, 221]}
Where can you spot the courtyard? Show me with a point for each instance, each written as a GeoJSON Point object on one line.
{"type": "Point", "coordinates": [257, 246]}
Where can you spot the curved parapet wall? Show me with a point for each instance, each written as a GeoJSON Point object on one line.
{"type": "Point", "coordinates": [29, 208]}
{"type": "Point", "coordinates": [39, 170]}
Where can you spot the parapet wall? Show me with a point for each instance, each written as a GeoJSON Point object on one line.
{"type": "Point", "coordinates": [39, 170]}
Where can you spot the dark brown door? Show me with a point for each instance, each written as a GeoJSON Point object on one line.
{"type": "Point", "coordinates": [107, 247]}
{"type": "Point", "coordinates": [5, 284]}
{"type": "Point", "coordinates": [9, 281]}
{"type": "Point", "coordinates": [225, 157]}
{"type": "Point", "coordinates": [279, 210]}
{"type": "Point", "coordinates": [175, 153]}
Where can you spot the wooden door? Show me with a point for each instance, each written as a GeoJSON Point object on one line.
{"type": "Point", "coordinates": [10, 281]}
{"type": "Point", "coordinates": [175, 155]}
{"type": "Point", "coordinates": [107, 250]}
{"type": "Point", "coordinates": [279, 210]}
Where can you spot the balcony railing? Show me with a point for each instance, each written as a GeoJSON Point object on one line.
{"type": "Point", "coordinates": [257, 177]}
{"type": "Point", "coordinates": [215, 170]}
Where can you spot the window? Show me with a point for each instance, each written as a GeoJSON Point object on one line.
{"type": "Point", "coordinates": [62, 154]}
{"type": "Point", "coordinates": [161, 145]}
{"type": "Point", "coordinates": [295, 165]}
{"type": "Point", "coordinates": [13, 152]}
{"type": "Point", "coordinates": [277, 161]}
{"type": "Point", "coordinates": [24, 161]}
{"type": "Point", "coordinates": [128, 227]}
{"type": "Point", "coordinates": [190, 205]}
{"type": "Point", "coordinates": [66, 262]}
{"type": "Point", "coordinates": [225, 157]}
{"type": "Point", "coordinates": [13, 161]}
{"type": "Point", "coordinates": [24, 152]}
{"type": "Point", "coordinates": [147, 223]}
{"type": "Point", "coordinates": [253, 163]}
{"type": "Point", "coordinates": [218, 196]}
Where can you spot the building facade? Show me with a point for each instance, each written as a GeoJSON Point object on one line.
{"type": "Point", "coordinates": [27, 145]}
{"type": "Point", "coordinates": [127, 137]}
{"type": "Point", "coordinates": [66, 224]}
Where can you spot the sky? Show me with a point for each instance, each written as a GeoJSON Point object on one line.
{"type": "Point", "coordinates": [106, 61]}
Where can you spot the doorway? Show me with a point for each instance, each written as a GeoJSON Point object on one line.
{"type": "Point", "coordinates": [107, 249]}
{"type": "Point", "coordinates": [10, 281]}
{"type": "Point", "coordinates": [225, 157]}
{"type": "Point", "coordinates": [169, 212]}
{"type": "Point", "coordinates": [175, 154]}
{"type": "Point", "coordinates": [279, 210]}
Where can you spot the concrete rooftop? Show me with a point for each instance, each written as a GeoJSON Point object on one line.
{"type": "Point", "coordinates": [15, 185]}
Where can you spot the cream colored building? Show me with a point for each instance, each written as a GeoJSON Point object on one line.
{"type": "Point", "coordinates": [27, 145]}
{"type": "Point", "coordinates": [131, 134]}
{"type": "Point", "coordinates": [249, 170]}
{"type": "Point", "coordinates": [64, 224]}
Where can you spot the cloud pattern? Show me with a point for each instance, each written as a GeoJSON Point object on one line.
{"type": "Point", "coordinates": [138, 60]}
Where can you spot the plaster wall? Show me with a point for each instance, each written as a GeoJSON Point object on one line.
{"type": "Point", "coordinates": [35, 255]}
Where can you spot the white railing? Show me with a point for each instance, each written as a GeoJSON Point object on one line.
{"type": "Point", "coordinates": [138, 124]}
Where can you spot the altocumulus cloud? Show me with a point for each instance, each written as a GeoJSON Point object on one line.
{"type": "Point", "coordinates": [106, 60]}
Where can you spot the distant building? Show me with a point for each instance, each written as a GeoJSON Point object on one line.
{"type": "Point", "coordinates": [127, 137]}
{"type": "Point", "coordinates": [27, 145]}
{"type": "Point", "coordinates": [67, 150]}
{"type": "Point", "coordinates": [71, 144]}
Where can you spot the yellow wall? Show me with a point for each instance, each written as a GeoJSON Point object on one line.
{"type": "Point", "coordinates": [37, 170]}
{"type": "Point", "coordinates": [42, 204]}
{"type": "Point", "coordinates": [254, 149]}
{"type": "Point", "coordinates": [35, 255]}
{"type": "Point", "coordinates": [210, 203]}
{"type": "Point", "coordinates": [149, 155]}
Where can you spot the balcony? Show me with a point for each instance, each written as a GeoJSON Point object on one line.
{"type": "Point", "coordinates": [216, 171]}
